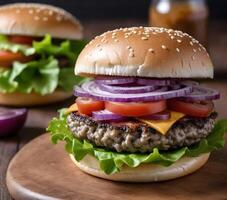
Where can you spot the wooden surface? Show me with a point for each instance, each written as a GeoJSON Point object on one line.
{"type": "Point", "coordinates": [43, 171]}
{"type": "Point", "coordinates": [38, 117]}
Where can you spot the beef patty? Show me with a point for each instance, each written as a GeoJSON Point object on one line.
{"type": "Point", "coordinates": [134, 136]}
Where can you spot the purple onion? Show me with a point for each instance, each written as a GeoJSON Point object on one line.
{"type": "Point", "coordinates": [105, 115]}
{"type": "Point", "coordinates": [11, 120]}
{"type": "Point", "coordinates": [115, 80]}
{"type": "Point", "coordinates": [92, 89]}
{"type": "Point", "coordinates": [159, 82]}
{"type": "Point", "coordinates": [201, 94]}
{"type": "Point", "coordinates": [128, 89]}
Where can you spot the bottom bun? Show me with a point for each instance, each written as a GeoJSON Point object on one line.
{"type": "Point", "coordinates": [144, 172]}
{"type": "Point", "coordinates": [32, 99]}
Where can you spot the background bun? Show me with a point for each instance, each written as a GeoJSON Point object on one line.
{"type": "Point", "coordinates": [145, 52]}
{"type": "Point", "coordinates": [37, 20]}
{"type": "Point", "coordinates": [32, 99]}
{"type": "Point", "coordinates": [146, 172]}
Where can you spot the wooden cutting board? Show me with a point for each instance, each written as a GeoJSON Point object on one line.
{"type": "Point", "coordinates": [44, 171]}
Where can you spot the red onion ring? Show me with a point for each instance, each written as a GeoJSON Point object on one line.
{"type": "Point", "coordinates": [11, 120]}
{"type": "Point", "coordinates": [127, 90]}
{"type": "Point", "coordinates": [105, 115]}
{"type": "Point", "coordinates": [115, 80]}
{"type": "Point", "coordinates": [93, 90]}
{"type": "Point", "coordinates": [160, 82]}
{"type": "Point", "coordinates": [201, 93]}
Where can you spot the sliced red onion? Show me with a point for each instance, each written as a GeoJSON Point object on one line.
{"type": "Point", "coordinates": [127, 90]}
{"type": "Point", "coordinates": [160, 82]}
{"type": "Point", "coordinates": [201, 93]}
{"type": "Point", "coordinates": [115, 80]}
{"type": "Point", "coordinates": [189, 82]}
{"type": "Point", "coordinates": [158, 116]}
{"type": "Point", "coordinates": [11, 120]}
{"type": "Point", "coordinates": [105, 115]}
{"type": "Point", "coordinates": [94, 91]}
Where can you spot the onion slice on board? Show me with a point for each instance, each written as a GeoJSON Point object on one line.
{"type": "Point", "coordinates": [11, 120]}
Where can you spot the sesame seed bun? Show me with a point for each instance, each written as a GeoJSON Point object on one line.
{"type": "Point", "coordinates": [145, 52]}
{"type": "Point", "coordinates": [34, 19]}
{"type": "Point", "coordinates": [32, 99]}
{"type": "Point", "coordinates": [145, 172]}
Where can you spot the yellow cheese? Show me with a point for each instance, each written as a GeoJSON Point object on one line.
{"type": "Point", "coordinates": [163, 125]}
{"type": "Point", "coordinates": [72, 108]}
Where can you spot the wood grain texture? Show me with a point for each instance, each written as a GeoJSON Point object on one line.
{"type": "Point", "coordinates": [43, 171]}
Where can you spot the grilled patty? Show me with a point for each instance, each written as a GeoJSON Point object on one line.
{"type": "Point", "coordinates": [134, 136]}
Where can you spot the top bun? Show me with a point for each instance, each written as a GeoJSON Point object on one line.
{"type": "Point", "coordinates": [37, 20]}
{"type": "Point", "coordinates": [145, 52]}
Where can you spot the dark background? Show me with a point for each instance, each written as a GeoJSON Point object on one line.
{"type": "Point", "coordinates": [90, 9]}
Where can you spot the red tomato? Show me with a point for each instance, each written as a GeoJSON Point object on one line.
{"type": "Point", "coordinates": [136, 109]}
{"type": "Point", "coordinates": [21, 39]}
{"type": "Point", "coordinates": [198, 109]}
{"type": "Point", "coordinates": [87, 105]}
{"type": "Point", "coordinates": [7, 58]}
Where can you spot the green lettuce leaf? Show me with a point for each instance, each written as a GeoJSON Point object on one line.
{"type": "Point", "coordinates": [15, 48]}
{"type": "Point", "coordinates": [44, 75]}
{"type": "Point", "coordinates": [40, 76]}
{"type": "Point", "coordinates": [112, 162]}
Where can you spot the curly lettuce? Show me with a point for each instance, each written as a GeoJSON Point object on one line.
{"type": "Point", "coordinates": [43, 75]}
{"type": "Point", "coordinates": [112, 162]}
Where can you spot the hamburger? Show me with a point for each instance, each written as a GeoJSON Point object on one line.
{"type": "Point", "coordinates": [143, 117]}
{"type": "Point", "coordinates": [39, 45]}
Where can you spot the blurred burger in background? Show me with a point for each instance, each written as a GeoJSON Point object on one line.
{"type": "Point", "coordinates": [39, 45]}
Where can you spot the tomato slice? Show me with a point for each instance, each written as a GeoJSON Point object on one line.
{"type": "Point", "coordinates": [21, 39]}
{"type": "Point", "coordinates": [7, 58]}
{"type": "Point", "coordinates": [198, 109]}
{"type": "Point", "coordinates": [136, 109]}
{"type": "Point", "coordinates": [87, 105]}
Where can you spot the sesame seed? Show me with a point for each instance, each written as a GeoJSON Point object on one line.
{"type": "Point", "coordinates": [193, 57]}
{"type": "Point", "coordinates": [144, 38]}
{"type": "Point", "coordinates": [116, 40]}
{"type": "Point", "coordinates": [172, 37]}
{"type": "Point", "coordinates": [131, 54]}
{"type": "Point", "coordinates": [50, 12]}
{"type": "Point", "coordinates": [191, 43]}
{"type": "Point", "coordinates": [164, 47]}
{"type": "Point", "coordinates": [199, 49]}
{"type": "Point", "coordinates": [59, 18]}
{"type": "Point", "coordinates": [128, 47]}
{"type": "Point", "coordinates": [30, 11]}
{"type": "Point", "coordinates": [194, 50]}
{"type": "Point", "coordinates": [179, 41]}
{"type": "Point", "coordinates": [126, 36]}
{"type": "Point", "coordinates": [177, 49]}
{"type": "Point", "coordinates": [36, 18]}
{"type": "Point", "coordinates": [151, 50]}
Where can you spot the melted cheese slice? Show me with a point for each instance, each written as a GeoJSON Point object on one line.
{"type": "Point", "coordinates": [163, 125]}
{"type": "Point", "coordinates": [72, 108]}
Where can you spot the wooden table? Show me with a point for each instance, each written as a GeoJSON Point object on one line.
{"type": "Point", "coordinates": [39, 117]}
